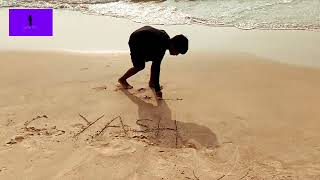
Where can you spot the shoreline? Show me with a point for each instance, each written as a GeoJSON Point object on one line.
{"type": "Point", "coordinates": [292, 47]}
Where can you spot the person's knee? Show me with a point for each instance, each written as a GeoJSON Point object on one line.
{"type": "Point", "coordinates": [139, 68]}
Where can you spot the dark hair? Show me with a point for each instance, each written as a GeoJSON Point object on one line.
{"type": "Point", "coordinates": [180, 42]}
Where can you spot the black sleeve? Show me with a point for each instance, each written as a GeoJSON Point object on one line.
{"type": "Point", "coordinates": [155, 70]}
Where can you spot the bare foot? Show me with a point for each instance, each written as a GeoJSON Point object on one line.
{"type": "Point", "coordinates": [152, 86]}
{"type": "Point", "coordinates": [125, 84]}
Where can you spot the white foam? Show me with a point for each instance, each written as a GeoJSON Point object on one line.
{"type": "Point", "coordinates": [246, 14]}
{"type": "Point", "coordinates": [149, 12]}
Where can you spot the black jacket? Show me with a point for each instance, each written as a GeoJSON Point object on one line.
{"type": "Point", "coordinates": [150, 44]}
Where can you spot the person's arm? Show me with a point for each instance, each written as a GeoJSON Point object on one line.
{"type": "Point", "coordinates": [155, 70]}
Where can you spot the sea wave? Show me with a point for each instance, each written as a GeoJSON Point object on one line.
{"type": "Point", "coordinates": [246, 14]}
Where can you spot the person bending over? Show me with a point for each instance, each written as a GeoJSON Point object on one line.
{"type": "Point", "coordinates": [150, 44]}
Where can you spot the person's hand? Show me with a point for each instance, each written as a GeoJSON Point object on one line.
{"type": "Point", "coordinates": [151, 84]}
{"type": "Point", "coordinates": [159, 94]}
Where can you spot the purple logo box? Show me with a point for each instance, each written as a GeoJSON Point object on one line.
{"type": "Point", "coordinates": [30, 22]}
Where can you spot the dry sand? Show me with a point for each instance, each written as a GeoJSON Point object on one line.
{"type": "Point", "coordinates": [247, 118]}
{"type": "Point", "coordinates": [231, 111]}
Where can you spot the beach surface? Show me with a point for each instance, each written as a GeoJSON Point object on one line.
{"type": "Point", "coordinates": [239, 105]}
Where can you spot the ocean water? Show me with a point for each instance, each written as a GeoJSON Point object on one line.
{"type": "Point", "coordinates": [243, 14]}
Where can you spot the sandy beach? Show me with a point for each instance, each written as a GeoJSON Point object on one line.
{"type": "Point", "coordinates": [239, 105]}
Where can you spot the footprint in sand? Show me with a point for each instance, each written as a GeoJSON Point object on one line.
{"type": "Point", "coordinates": [146, 97]}
{"type": "Point", "coordinates": [3, 169]}
{"type": "Point", "coordinates": [78, 125]}
{"type": "Point", "coordinates": [118, 88]}
{"type": "Point", "coordinates": [10, 122]}
{"type": "Point", "coordinates": [115, 148]}
{"type": "Point", "coordinates": [83, 69]}
{"type": "Point", "coordinates": [101, 88]}
{"type": "Point", "coordinates": [16, 139]}
{"type": "Point", "coordinates": [141, 90]}
{"type": "Point", "coordinates": [273, 163]}
{"type": "Point", "coordinates": [285, 175]}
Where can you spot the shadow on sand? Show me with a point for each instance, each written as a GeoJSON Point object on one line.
{"type": "Point", "coordinates": [160, 129]}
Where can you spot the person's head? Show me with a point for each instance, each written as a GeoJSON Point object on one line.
{"type": "Point", "coordinates": [178, 45]}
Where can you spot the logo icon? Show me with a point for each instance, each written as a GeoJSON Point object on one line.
{"type": "Point", "coordinates": [30, 22]}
